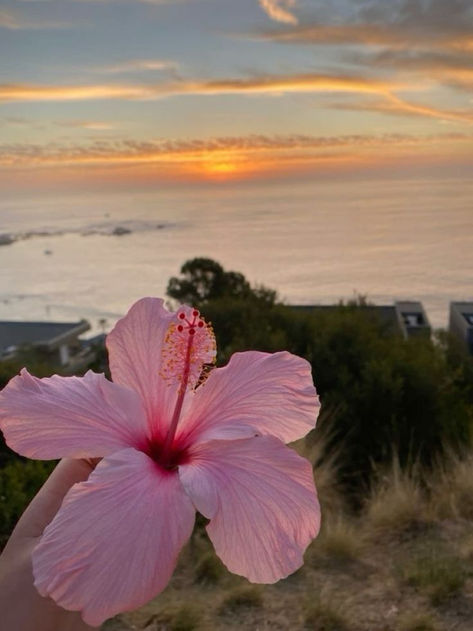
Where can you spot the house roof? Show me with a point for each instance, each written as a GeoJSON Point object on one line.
{"type": "Point", "coordinates": [49, 334]}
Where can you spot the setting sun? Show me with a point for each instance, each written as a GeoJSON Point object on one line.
{"type": "Point", "coordinates": [222, 164]}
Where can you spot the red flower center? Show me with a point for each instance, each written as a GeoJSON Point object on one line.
{"type": "Point", "coordinates": [167, 457]}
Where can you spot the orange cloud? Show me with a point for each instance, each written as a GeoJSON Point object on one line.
{"type": "Point", "coordinates": [86, 124]}
{"type": "Point", "coordinates": [263, 85]}
{"type": "Point", "coordinates": [37, 93]}
{"type": "Point", "coordinates": [345, 34]}
{"type": "Point", "coordinates": [271, 84]}
{"type": "Point", "coordinates": [452, 68]}
{"type": "Point", "coordinates": [129, 164]}
{"type": "Point", "coordinates": [419, 38]}
{"type": "Point", "coordinates": [403, 107]}
{"type": "Point", "coordinates": [280, 10]}
{"type": "Point", "coordinates": [410, 24]}
{"type": "Point", "coordinates": [396, 106]}
{"type": "Point", "coordinates": [392, 36]}
{"type": "Point", "coordinates": [218, 154]}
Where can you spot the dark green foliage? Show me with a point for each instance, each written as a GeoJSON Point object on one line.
{"type": "Point", "coordinates": [388, 393]}
{"type": "Point", "coordinates": [100, 363]}
{"type": "Point", "coordinates": [28, 358]}
{"type": "Point", "coordinates": [380, 392]}
{"type": "Point", "coordinates": [19, 482]}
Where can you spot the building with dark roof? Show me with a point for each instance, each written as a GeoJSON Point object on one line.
{"type": "Point", "coordinates": [412, 318]}
{"type": "Point", "coordinates": [461, 323]}
{"type": "Point", "coordinates": [59, 341]}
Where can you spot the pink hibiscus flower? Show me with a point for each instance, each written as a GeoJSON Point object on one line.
{"type": "Point", "coordinates": [171, 443]}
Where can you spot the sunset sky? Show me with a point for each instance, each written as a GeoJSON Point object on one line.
{"type": "Point", "coordinates": [135, 93]}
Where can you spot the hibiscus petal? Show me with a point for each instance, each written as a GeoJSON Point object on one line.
{"type": "Point", "coordinates": [114, 543]}
{"type": "Point", "coordinates": [261, 500]}
{"type": "Point", "coordinates": [268, 393]}
{"type": "Point", "coordinates": [135, 348]}
{"type": "Point", "coordinates": [75, 417]}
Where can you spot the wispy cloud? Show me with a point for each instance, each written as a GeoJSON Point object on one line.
{"type": "Point", "coordinates": [399, 22]}
{"type": "Point", "coordinates": [262, 85]}
{"type": "Point", "coordinates": [198, 150]}
{"type": "Point", "coordinates": [409, 41]}
{"type": "Point", "coordinates": [453, 68]}
{"type": "Point", "coordinates": [396, 106]}
{"type": "Point", "coordinates": [39, 93]}
{"type": "Point", "coordinates": [16, 21]}
{"type": "Point", "coordinates": [393, 36]}
{"type": "Point", "coordinates": [85, 124]}
{"type": "Point", "coordinates": [138, 65]}
{"type": "Point", "coordinates": [267, 84]}
{"type": "Point", "coordinates": [90, 125]}
{"type": "Point", "coordinates": [280, 10]}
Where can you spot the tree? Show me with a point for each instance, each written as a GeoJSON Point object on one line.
{"type": "Point", "coordinates": [203, 280]}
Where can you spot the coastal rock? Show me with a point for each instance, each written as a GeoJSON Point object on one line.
{"type": "Point", "coordinates": [120, 230]}
{"type": "Point", "coordinates": [6, 239]}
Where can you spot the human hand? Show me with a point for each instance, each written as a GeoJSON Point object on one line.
{"type": "Point", "coordinates": [21, 606]}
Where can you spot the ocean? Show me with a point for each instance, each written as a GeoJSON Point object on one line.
{"type": "Point", "coordinates": [92, 255]}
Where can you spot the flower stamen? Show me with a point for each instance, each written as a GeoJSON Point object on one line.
{"type": "Point", "coordinates": [188, 345]}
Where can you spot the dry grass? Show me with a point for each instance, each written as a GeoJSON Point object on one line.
{"type": "Point", "coordinates": [185, 618]}
{"type": "Point", "coordinates": [209, 569]}
{"type": "Point", "coordinates": [451, 489]}
{"type": "Point", "coordinates": [397, 503]}
{"type": "Point", "coordinates": [465, 548]}
{"type": "Point", "coordinates": [437, 575]}
{"type": "Point", "coordinates": [325, 613]}
{"type": "Point", "coordinates": [417, 621]}
{"type": "Point", "coordinates": [341, 540]}
{"type": "Point", "coordinates": [243, 597]}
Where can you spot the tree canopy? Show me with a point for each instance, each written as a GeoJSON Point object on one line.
{"type": "Point", "coordinates": [203, 280]}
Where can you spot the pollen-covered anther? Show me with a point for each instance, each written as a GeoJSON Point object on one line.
{"type": "Point", "coordinates": [188, 345]}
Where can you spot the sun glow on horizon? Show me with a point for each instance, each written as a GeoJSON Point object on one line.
{"type": "Point", "coordinates": [223, 165]}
